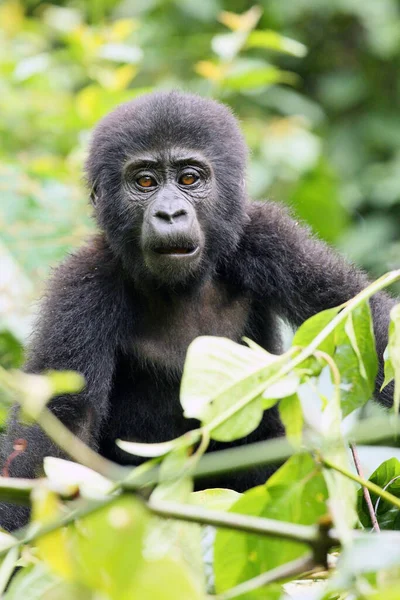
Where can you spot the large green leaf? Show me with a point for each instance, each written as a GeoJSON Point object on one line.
{"type": "Point", "coordinates": [219, 373]}
{"type": "Point", "coordinates": [106, 548]}
{"type": "Point", "coordinates": [295, 493]}
{"type": "Point", "coordinates": [356, 358]}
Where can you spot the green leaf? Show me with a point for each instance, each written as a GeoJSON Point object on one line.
{"type": "Point", "coordinates": [394, 353]}
{"type": "Point", "coordinates": [295, 493]}
{"type": "Point", "coordinates": [310, 329]}
{"type": "Point", "coordinates": [147, 450]}
{"type": "Point", "coordinates": [354, 389]}
{"type": "Point", "coordinates": [37, 583]}
{"type": "Point", "coordinates": [52, 547]}
{"type": "Point", "coordinates": [271, 40]}
{"type": "Point", "coordinates": [65, 382]}
{"type": "Point", "coordinates": [165, 579]}
{"type": "Point", "coordinates": [173, 538]}
{"type": "Point", "coordinates": [219, 373]}
{"type": "Point", "coordinates": [7, 567]}
{"type": "Point", "coordinates": [64, 473]}
{"type": "Point", "coordinates": [387, 476]}
{"type": "Point", "coordinates": [320, 401]}
{"type": "Point", "coordinates": [11, 350]}
{"type": "Point", "coordinates": [372, 457]}
{"type": "Point", "coordinates": [359, 330]}
{"type": "Point", "coordinates": [215, 498]}
{"type": "Point", "coordinates": [175, 482]}
{"type": "Point", "coordinates": [291, 415]}
{"type": "Point", "coordinates": [342, 491]}
{"type": "Point", "coordinates": [388, 369]}
{"type": "Point", "coordinates": [319, 186]}
{"type": "Point", "coordinates": [356, 359]}
{"type": "Point", "coordinates": [248, 75]}
{"type": "Point", "coordinates": [286, 386]}
{"type": "Point", "coordinates": [177, 540]}
{"type": "Point", "coordinates": [106, 547]}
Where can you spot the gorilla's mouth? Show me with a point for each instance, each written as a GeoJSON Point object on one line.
{"type": "Point", "coordinates": [177, 250]}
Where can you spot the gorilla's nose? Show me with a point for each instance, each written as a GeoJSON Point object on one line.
{"type": "Point", "coordinates": [171, 215]}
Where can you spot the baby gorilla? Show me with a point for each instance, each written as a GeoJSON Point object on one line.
{"type": "Point", "coordinates": [181, 252]}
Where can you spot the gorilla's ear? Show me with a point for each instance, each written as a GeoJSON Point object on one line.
{"type": "Point", "coordinates": [94, 195]}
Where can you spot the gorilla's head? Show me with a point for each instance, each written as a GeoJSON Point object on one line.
{"type": "Point", "coordinates": [167, 175]}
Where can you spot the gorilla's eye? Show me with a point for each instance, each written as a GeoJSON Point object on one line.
{"type": "Point", "coordinates": [146, 181]}
{"type": "Point", "coordinates": [188, 178]}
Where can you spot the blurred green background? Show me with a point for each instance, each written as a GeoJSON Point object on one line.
{"type": "Point", "coordinates": [316, 86]}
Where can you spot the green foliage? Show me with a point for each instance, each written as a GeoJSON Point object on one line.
{"type": "Point", "coordinates": [239, 556]}
{"type": "Point", "coordinates": [108, 543]}
{"type": "Point", "coordinates": [314, 86]}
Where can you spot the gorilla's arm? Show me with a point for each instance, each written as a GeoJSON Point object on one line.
{"type": "Point", "coordinates": [76, 330]}
{"type": "Point", "coordinates": [300, 275]}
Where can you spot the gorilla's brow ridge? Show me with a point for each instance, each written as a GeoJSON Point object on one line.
{"type": "Point", "coordinates": [179, 159]}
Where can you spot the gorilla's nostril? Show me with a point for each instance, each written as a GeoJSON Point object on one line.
{"type": "Point", "coordinates": [164, 215]}
{"type": "Point", "coordinates": [179, 213]}
{"type": "Point", "coordinates": [170, 216]}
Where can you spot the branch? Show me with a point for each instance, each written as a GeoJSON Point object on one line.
{"type": "Point", "coordinates": [372, 487]}
{"type": "Point", "coordinates": [276, 451]}
{"type": "Point", "coordinates": [258, 454]}
{"type": "Point", "coordinates": [306, 534]}
{"type": "Point", "coordinates": [286, 571]}
{"type": "Point", "coordinates": [366, 493]}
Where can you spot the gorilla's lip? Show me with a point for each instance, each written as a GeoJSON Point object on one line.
{"type": "Point", "coordinates": [181, 251]}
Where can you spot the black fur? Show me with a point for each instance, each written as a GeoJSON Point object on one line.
{"type": "Point", "coordinates": [123, 316]}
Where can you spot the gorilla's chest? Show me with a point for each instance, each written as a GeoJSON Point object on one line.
{"type": "Point", "coordinates": [168, 325]}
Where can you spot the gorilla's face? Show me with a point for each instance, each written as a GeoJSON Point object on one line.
{"type": "Point", "coordinates": [167, 170]}
{"type": "Point", "coordinates": [171, 192]}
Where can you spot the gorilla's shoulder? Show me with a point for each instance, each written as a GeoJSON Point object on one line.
{"type": "Point", "coordinates": [92, 264]}
{"type": "Point", "coordinates": [273, 219]}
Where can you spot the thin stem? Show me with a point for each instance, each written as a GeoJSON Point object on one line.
{"type": "Point", "coordinates": [258, 454]}
{"type": "Point", "coordinates": [76, 448]}
{"type": "Point", "coordinates": [332, 365]}
{"type": "Point", "coordinates": [286, 571]}
{"type": "Point", "coordinates": [372, 487]}
{"type": "Point", "coordinates": [366, 493]}
{"type": "Point", "coordinates": [258, 525]}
